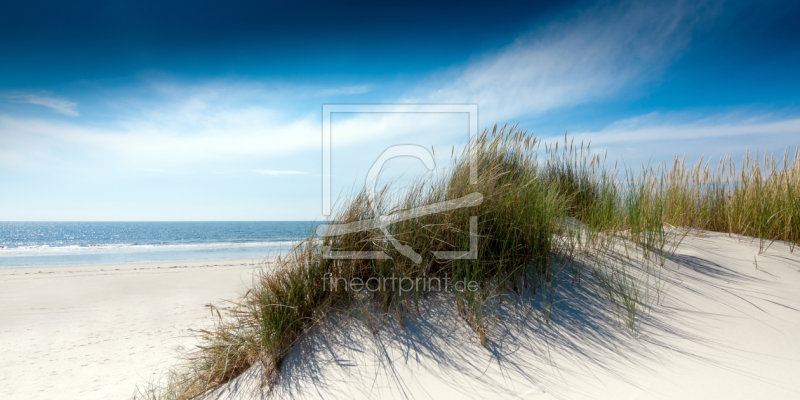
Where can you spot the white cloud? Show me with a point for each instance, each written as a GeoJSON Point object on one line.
{"type": "Point", "coordinates": [200, 124]}
{"type": "Point", "coordinates": [188, 133]}
{"type": "Point", "coordinates": [273, 172]}
{"type": "Point", "coordinates": [590, 57]}
{"type": "Point", "coordinates": [652, 138]}
{"type": "Point", "coordinates": [655, 127]}
{"type": "Point", "coordinates": [215, 137]}
{"type": "Point", "coordinates": [61, 106]}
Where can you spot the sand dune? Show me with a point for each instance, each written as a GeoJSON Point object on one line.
{"type": "Point", "coordinates": [725, 330]}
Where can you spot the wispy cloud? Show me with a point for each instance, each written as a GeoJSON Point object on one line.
{"type": "Point", "coordinates": [61, 106]}
{"type": "Point", "coordinates": [655, 127]}
{"type": "Point", "coordinates": [590, 57]}
{"type": "Point", "coordinates": [199, 124]}
{"type": "Point", "coordinates": [219, 136]}
{"type": "Point", "coordinates": [273, 172]}
{"type": "Point", "coordinates": [654, 137]}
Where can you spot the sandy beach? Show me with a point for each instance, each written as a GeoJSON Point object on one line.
{"type": "Point", "coordinates": [95, 332]}
{"type": "Point", "coordinates": [727, 328]}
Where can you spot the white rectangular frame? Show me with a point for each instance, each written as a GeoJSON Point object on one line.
{"type": "Point", "coordinates": [328, 109]}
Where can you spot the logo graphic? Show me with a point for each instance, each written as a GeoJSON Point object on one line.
{"type": "Point", "coordinates": [421, 153]}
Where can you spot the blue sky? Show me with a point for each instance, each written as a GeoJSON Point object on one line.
{"type": "Point", "coordinates": [212, 111]}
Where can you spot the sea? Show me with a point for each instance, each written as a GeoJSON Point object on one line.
{"type": "Point", "coordinates": [39, 244]}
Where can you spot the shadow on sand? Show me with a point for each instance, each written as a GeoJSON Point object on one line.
{"type": "Point", "coordinates": [572, 355]}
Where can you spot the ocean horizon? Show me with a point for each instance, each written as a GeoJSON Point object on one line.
{"type": "Point", "coordinates": [40, 244]}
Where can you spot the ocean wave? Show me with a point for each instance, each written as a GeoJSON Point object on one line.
{"type": "Point", "coordinates": [135, 247]}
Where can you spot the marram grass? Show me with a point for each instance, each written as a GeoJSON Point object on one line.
{"type": "Point", "coordinates": [549, 212]}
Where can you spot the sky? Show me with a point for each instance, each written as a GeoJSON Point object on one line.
{"type": "Point", "coordinates": [171, 111]}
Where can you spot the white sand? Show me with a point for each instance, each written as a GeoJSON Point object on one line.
{"type": "Point", "coordinates": [726, 330]}
{"type": "Point", "coordinates": [94, 332]}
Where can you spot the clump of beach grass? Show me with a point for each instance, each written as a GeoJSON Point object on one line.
{"type": "Point", "coordinates": [548, 212]}
{"type": "Point", "coordinates": [756, 198]}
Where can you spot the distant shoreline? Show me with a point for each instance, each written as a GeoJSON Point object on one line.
{"type": "Point", "coordinates": [45, 244]}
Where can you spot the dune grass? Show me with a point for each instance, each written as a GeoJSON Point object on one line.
{"type": "Point", "coordinates": [550, 212]}
{"type": "Point", "coordinates": [757, 198]}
